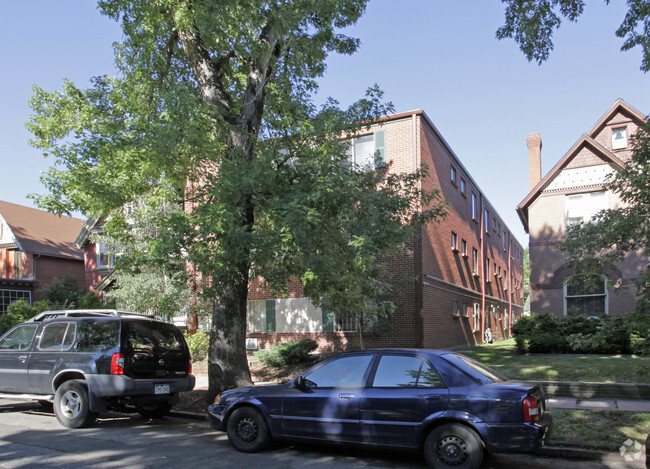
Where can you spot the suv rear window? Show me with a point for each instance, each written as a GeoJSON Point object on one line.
{"type": "Point", "coordinates": [153, 335]}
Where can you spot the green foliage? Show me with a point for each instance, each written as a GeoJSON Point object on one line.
{"type": "Point", "coordinates": [286, 353]}
{"type": "Point", "coordinates": [230, 85]}
{"type": "Point", "coordinates": [198, 343]}
{"type": "Point", "coordinates": [91, 300]}
{"type": "Point", "coordinates": [545, 333]}
{"type": "Point", "coordinates": [20, 311]}
{"type": "Point", "coordinates": [531, 24]}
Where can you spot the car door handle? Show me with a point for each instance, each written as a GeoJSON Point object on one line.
{"type": "Point", "coordinates": [346, 396]}
{"type": "Point", "coordinates": [432, 398]}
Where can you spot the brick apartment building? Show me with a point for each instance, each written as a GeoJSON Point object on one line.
{"type": "Point", "coordinates": [36, 250]}
{"type": "Point", "coordinates": [574, 190]}
{"type": "Point", "coordinates": [468, 269]}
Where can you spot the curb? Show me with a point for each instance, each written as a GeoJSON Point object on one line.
{"type": "Point", "coordinates": [188, 415]}
{"type": "Point", "coordinates": [577, 453]}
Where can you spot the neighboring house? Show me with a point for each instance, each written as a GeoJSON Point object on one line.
{"type": "Point", "coordinates": [468, 269]}
{"type": "Point", "coordinates": [36, 250]}
{"type": "Point", "coordinates": [573, 191]}
{"type": "Point", "coordinates": [99, 263]}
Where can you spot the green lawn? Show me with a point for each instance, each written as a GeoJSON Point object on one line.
{"type": "Point", "coordinates": [606, 430]}
{"type": "Point", "coordinates": [504, 357]}
{"type": "Point", "coordinates": [598, 429]}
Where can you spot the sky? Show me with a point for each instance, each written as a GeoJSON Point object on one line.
{"type": "Point", "coordinates": [438, 56]}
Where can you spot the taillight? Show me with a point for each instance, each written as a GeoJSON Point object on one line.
{"type": "Point", "coordinates": [117, 364]}
{"type": "Point", "coordinates": [531, 409]}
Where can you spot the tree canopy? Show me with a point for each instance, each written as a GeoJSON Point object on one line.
{"type": "Point", "coordinates": [212, 108]}
{"type": "Point", "coordinates": [531, 23]}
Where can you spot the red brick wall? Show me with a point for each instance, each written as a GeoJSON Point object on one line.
{"type": "Point", "coordinates": [49, 270]}
{"type": "Point", "coordinates": [433, 274]}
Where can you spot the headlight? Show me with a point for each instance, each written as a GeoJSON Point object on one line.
{"type": "Point", "coordinates": [217, 400]}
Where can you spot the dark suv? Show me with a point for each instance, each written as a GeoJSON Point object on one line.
{"type": "Point", "coordinates": [91, 361]}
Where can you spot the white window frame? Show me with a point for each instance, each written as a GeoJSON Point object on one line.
{"type": "Point", "coordinates": [583, 207]}
{"type": "Point", "coordinates": [619, 138]}
{"type": "Point", "coordinates": [604, 295]}
{"type": "Point", "coordinates": [476, 325]}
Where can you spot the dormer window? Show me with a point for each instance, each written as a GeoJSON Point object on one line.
{"type": "Point", "coordinates": [619, 138]}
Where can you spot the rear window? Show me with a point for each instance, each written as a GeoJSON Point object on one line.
{"type": "Point", "coordinates": [153, 335]}
{"type": "Point", "coordinates": [476, 370]}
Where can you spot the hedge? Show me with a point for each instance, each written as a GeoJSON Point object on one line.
{"type": "Point", "coordinates": [547, 333]}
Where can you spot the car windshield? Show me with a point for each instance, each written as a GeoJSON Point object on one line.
{"type": "Point", "coordinates": [476, 370]}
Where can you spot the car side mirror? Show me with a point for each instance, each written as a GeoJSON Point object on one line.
{"type": "Point", "coordinates": [300, 382]}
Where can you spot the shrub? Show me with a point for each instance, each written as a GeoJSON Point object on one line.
{"type": "Point", "coordinates": [20, 311]}
{"type": "Point", "coordinates": [199, 345]}
{"type": "Point", "coordinates": [286, 353]}
{"type": "Point", "coordinates": [546, 333]}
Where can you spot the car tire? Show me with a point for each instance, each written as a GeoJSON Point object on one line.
{"type": "Point", "coordinates": [72, 405]}
{"type": "Point", "coordinates": [153, 411]}
{"type": "Point", "coordinates": [453, 445]}
{"type": "Point", "coordinates": [247, 430]}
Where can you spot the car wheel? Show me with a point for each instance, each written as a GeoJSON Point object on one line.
{"type": "Point", "coordinates": [72, 406]}
{"type": "Point", "coordinates": [153, 411]}
{"type": "Point", "coordinates": [453, 445]}
{"type": "Point", "coordinates": [247, 430]}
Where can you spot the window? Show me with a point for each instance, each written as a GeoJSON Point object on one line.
{"type": "Point", "coordinates": [474, 207]}
{"type": "Point", "coordinates": [347, 372]}
{"type": "Point", "coordinates": [619, 138]}
{"type": "Point", "coordinates": [9, 296]}
{"type": "Point", "coordinates": [19, 267]}
{"type": "Point", "coordinates": [396, 371]}
{"type": "Point", "coordinates": [454, 241]}
{"type": "Point", "coordinates": [463, 248]}
{"type": "Point", "coordinates": [487, 269]}
{"type": "Point", "coordinates": [58, 336]}
{"type": "Point", "coordinates": [452, 175]}
{"type": "Point", "coordinates": [582, 208]}
{"type": "Point", "coordinates": [20, 338]}
{"type": "Point", "coordinates": [104, 257]}
{"type": "Point", "coordinates": [474, 261]}
{"type": "Point", "coordinates": [454, 308]}
{"type": "Point", "coordinates": [486, 221]}
{"type": "Point", "coordinates": [588, 296]}
{"type": "Point", "coordinates": [369, 151]}
{"type": "Point", "coordinates": [477, 317]}
{"type": "Point", "coordinates": [465, 310]}
{"type": "Point", "coordinates": [463, 187]}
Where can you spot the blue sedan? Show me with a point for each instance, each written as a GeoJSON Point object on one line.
{"type": "Point", "coordinates": [444, 404]}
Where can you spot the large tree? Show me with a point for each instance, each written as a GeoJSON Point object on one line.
{"type": "Point", "coordinates": [531, 24]}
{"type": "Point", "coordinates": [213, 105]}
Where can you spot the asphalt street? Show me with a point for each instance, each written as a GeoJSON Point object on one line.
{"type": "Point", "coordinates": [32, 438]}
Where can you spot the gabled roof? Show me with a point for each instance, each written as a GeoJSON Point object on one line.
{"type": "Point", "coordinates": [42, 233]}
{"type": "Point", "coordinates": [587, 140]}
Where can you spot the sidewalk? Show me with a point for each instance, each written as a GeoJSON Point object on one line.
{"type": "Point", "coordinates": [626, 405]}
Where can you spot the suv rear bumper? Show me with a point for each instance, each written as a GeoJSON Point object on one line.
{"type": "Point", "coordinates": [119, 385]}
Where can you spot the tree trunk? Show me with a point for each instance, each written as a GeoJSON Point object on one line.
{"type": "Point", "coordinates": [227, 362]}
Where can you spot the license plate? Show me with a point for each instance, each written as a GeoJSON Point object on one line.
{"type": "Point", "coordinates": [161, 389]}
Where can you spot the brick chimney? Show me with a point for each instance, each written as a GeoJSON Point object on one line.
{"type": "Point", "coordinates": [534, 142]}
